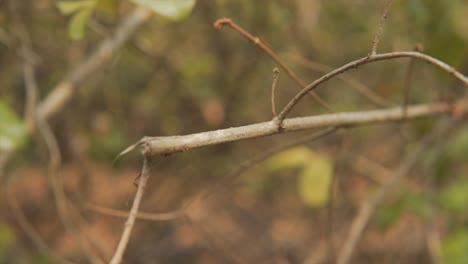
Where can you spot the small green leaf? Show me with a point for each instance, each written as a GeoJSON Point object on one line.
{"type": "Point", "coordinates": [77, 26]}
{"type": "Point", "coordinates": [69, 7]}
{"type": "Point", "coordinates": [314, 181]}
{"type": "Point", "coordinates": [13, 132]}
{"type": "Point", "coordinates": [171, 9]}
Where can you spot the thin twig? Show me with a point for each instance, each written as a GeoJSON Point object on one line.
{"type": "Point", "coordinates": [145, 173]}
{"type": "Point", "coordinates": [375, 42]}
{"type": "Point", "coordinates": [140, 215]}
{"type": "Point", "coordinates": [369, 207]}
{"type": "Point", "coordinates": [273, 87]}
{"type": "Point", "coordinates": [257, 41]}
{"type": "Point", "coordinates": [347, 78]}
{"type": "Point", "coordinates": [408, 77]}
{"type": "Point", "coordinates": [172, 144]}
{"type": "Point", "coordinates": [354, 64]}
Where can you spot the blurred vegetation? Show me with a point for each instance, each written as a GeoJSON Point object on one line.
{"type": "Point", "coordinates": [183, 76]}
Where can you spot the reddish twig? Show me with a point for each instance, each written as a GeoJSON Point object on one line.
{"type": "Point", "coordinates": [257, 41]}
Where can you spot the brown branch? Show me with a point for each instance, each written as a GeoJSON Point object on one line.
{"type": "Point", "coordinates": [347, 78]}
{"type": "Point", "coordinates": [354, 64]}
{"type": "Point", "coordinates": [171, 144]}
{"type": "Point", "coordinates": [369, 207]}
{"type": "Point", "coordinates": [64, 91]}
{"type": "Point", "coordinates": [145, 173]}
{"type": "Point", "coordinates": [375, 41]}
{"type": "Point", "coordinates": [257, 41]}
{"type": "Point", "coordinates": [273, 87]}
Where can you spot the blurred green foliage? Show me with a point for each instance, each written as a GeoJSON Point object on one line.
{"type": "Point", "coordinates": [13, 132]}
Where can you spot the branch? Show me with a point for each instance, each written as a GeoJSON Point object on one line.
{"type": "Point", "coordinates": [166, 145]}
{"type": "Point", "coordinates": [354, 64]}
{"type": "Point", "coordinates": [145, 172]}
{"type": "Point", "coordinates": [375, 42]}
{"type": "Point", "coordinates": [273, 88]}
{"type": "Point", "coordinates": [64, 91]}
{"type": "Point", "coordinates": [347, 78]}
{"type": "Point", "coordinates": [257, 41]}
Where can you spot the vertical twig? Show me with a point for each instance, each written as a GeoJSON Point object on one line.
{"type": "Point", "coordinates": [257, 41]}
{"type": "Point", "coordinates": [273, 87]}
{"type": "Point", "coordinates": [408, 78]}
{"type": "Point", "coordinates": [145, 173]}
{"type": "Point", "coordinates": [376, 40]}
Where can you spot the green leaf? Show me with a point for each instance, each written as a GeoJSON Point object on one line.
{"type": "Point", "coordinates": [77, 26]}
{"type": "Point", "coordinates": [13, 132]}
{"type": "Point", "coordinates": [69, 7]}
{"type": "Point", "coordinates": [454, 248]}
{"type": "Point", "coordinates": [314, 181]}
{"type": "Point", "coordinates": [171, 9]}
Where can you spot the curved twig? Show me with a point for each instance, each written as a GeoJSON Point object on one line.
{"type": "Point", "coordinates": [257, 41]}
{"type": "Point", "coordinates": [368, 59]}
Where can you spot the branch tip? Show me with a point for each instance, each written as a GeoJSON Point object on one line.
{"type": "Point", "coordinates": [218, 24]}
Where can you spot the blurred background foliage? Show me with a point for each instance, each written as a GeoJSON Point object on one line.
{"type": "Point", "coordinates": [180, 76]}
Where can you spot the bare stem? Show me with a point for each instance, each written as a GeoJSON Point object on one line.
{"type": "Point", "coordinates": [375, 42]}
{"type": "Point", "coordinates": [354, 64]}
{"type": "Point", "coordinates": [145, 173]}
{"type": "Point", "coordinates": [257, 41]}
{"type": "Point", "coordinates": [166, 145]}
{"type": "Point", "coordinates": [273, 87]}
{"type": "Point", "coordinates": [347, 78]}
